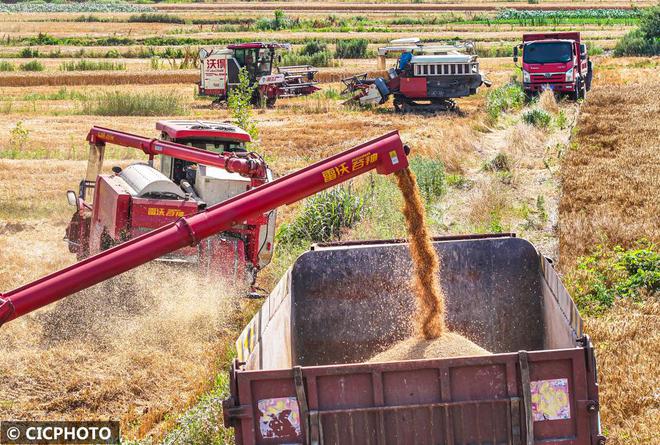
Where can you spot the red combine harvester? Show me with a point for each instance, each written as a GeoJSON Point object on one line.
{"type": "Point", "coordinates": [219, 70]}
{"type": "Point", "coordinates": [201, 164]}
{"type": "Point", "coordinates": [557, 61]}
{"type": "Point", "coordinates": [426, 77]}
{"type": "Point", "coordinates": [385, 154]}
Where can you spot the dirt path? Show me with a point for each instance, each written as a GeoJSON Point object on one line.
{"type": "Point", "coordinates": [512, 185]}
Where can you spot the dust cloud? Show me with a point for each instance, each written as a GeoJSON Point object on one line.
{"type": "Point", "coordinates": [133, 349]}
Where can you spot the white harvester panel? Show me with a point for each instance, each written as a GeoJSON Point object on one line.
{"type": "Point", "coordinates": [215, 185]}
{"type": "Point", "coordinates": [444, 65]}
{"type": "Point", "coordinates": [147, 181]}
{"type": "Point", "coordinates": [214, 70]}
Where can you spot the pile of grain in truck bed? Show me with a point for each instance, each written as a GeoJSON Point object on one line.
{"type": "Point", "coordinates": [449, 344]}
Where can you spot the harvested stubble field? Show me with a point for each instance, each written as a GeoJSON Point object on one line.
{"type": "Point", "coordinates": [147, 380]}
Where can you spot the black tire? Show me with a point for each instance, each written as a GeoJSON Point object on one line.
{"type": "Point", "coordinates": [582, 90]}
{"type": "Point", "coordinates": [590, 75]}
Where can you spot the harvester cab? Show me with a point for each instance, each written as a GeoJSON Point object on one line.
{"type": "Point", "coordinates": [201, 164]}
{"type": "Point", "coordinates": [425, 77]}
{"type": "Point", "coordinates": [219, 72]}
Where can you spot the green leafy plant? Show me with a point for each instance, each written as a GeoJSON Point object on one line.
{"type": "Point", "coordinates": [239, 102]}
{"type": "Point", "coordinates": [612, 273]}
{"type": "Point", "coordinates": [505, 98]}
{"type": "Point", "coordinates": [18, 137]}
{"type": "Point", "coordinates": [537, 117]}
{"type": "Point", "coordinates": [430, 175]}
{"type": "Point", "coordinates": [500, 163]}
{"type": "Point", "coordinates": [6, 66]}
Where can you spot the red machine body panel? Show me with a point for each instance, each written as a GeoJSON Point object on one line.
{"type": "Point", "coordinates": [414, 87]}
{"type": "Point", "coordinates": [186, 129]}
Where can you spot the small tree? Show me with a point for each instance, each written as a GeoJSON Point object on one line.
{"type": "Point", "coordinates": [239, 103]}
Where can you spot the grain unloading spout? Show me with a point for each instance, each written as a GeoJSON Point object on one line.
{"type": "Point", "coordinates": [385, 154]}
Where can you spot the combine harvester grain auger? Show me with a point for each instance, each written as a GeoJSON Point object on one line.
{"type": "Point", "coordinates": [426, 78]}
{"type": "Point", "coordinates": [385, 154]}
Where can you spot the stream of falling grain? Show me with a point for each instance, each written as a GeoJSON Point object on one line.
{"type": "Point", "coordinates": [430, 320]}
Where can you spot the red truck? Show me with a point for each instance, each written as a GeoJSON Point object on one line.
{"type": "Point", "coordinates": [555, 60]}
{"type": "Point", "coordinates": [302, 375]}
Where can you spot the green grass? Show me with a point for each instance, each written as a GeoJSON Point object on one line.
{"type": "Point", "coordinates": [119, 103]}
{"type": "Point", "coordinates": [61, 94]}
{"type": "Point", "coordinates": [92, 65]}
{"type": "Point", "coordinates": [7, 66]}
{"type": "Point", "coordinates": [324, 217]}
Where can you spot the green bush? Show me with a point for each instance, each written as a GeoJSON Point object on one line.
{"type": "Point", "coordinates": [644, 41]}
{"type": "Point", "coordinates": [612, 273]}
{"type": "Point", "coordinates": [33, 65]}
{"type": "Point", "coordinates": [314, 47]}
{"type": "Point", "coordinates": [6, 66]}
{"type": "Point", "coordinates": [351, 49]}
{"type": "Point", "coordinates": [92, 65]}
{"type": "Point", "coordinates": [280, 21]}
{"type": "Point", "coordinates": [537, 117]}
{"type": "Point", "coordinates": [505, 98]}
{"type": "Point", "coordinates": [28, 53]}
{"type": "Point", "coordinates": [324, 217]}
{"type": "Point", "coordinates": [117, 103]}
{"type": "Point", "coordinates": [323, 58]}
{"type": "Point", "coordinates": [89, 19]}
{"type": "Point", "coordinates": [430, 175]}
{"type": "Point", "coordinates": [155, 18]}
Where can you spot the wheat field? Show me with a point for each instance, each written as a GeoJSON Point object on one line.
{"type": "Point", "coordinates": [566, 189]}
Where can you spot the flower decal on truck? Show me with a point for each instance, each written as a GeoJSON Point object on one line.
{"type": "Point", "coordinates": [550, 400]}
{"type": "Point", "coordinates": [280, 418]}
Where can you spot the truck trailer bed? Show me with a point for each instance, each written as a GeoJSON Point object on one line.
{"type": "Point", "coordinates": [300, 376]}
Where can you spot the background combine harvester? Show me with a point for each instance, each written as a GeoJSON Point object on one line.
{"type": "Point", "coordinates": [201, 164]}
{"type": "Point", "coordinates": [425, 78]}
{"type": "Point", "coordinates": [219, 69]}
{"type": "Point", "coordinates": [557, 61]}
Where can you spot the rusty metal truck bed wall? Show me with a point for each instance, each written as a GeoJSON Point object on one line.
{"type": "Point", "coordinates": [296, 380]}
{"type": "Point", "coordinates": [476, 400]}
{"type": "Point", "coordinates": [344, 304]}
